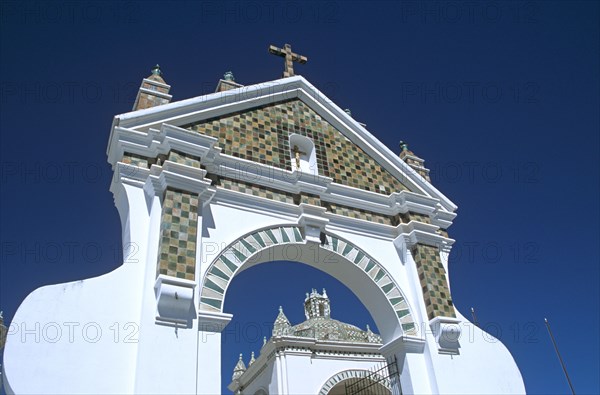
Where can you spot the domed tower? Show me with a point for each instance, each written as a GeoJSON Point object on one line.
{"type": "Point", "coordinates": [333, 355]}
{"type": "Point", "coordinates": [316, 305]}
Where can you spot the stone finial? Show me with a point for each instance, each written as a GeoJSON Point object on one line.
{"type": "Point", "coordinates": [154, 91]}
{"type": "Point", "coordinates": [228, 76]}
{"type": "Point", "coordinates": [282, 325]}
{"type": "Point", "coordinates": [156, 70]}
{"type": "Point", "coordinates": [264, 341]}
{"type": "Point", "coordinates": [227, 83]}
{"type": "Point", "coordinates": [413, 160]}
{"type": "Point", "coordinates": [347, 111]}
{"type": "Point", "coordinates": [239, 369]}
{"type": "Point", "coordinates": [325, 293]}
{"type": "Point", "coordinates": [251, 359]}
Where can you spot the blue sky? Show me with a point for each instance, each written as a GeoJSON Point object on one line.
{"type": "Point", "coordinates": [500, 99]}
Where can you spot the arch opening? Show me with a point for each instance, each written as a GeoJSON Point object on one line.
{"type": "Point", "coordinates": [362, 274]}
{"type": "Point", "coordinates": [369, 387]}
{"type": "Point", "coordinates": [282, 283]}
{"type": "Point", "coordinates": [356, 382]}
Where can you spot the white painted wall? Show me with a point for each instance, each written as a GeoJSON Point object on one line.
{"type": "Point", "coordinates": [162, 359]}
{"type": "Point", "coordinates": [322, 369]}
{"type": "Point", "coordinates": [169, 361]}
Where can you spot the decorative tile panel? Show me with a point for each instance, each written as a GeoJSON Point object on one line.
{"type": "Point", "coordinates": [178, 232]}
{"type": "Point", "coordinates": [415, 162]}
{"type": "Point", "coordinates": [308, 198]}
{"type": "Point", "coordinates": [255, 190]}
{"type": "Point", "coordinates": [358, 213]}
{"type": "Point", "coordinates": [136, 160]}
{"type": "Point", "coordinates": [147, 98]}
{"type": "Point", "coordinates": [184, 159]}
{"type": "Point", "coordinates": [434, 282]}
{"type": "Point", "coordinates": [412, 216]}
{"type": "Point", "coordinates": [262, 135]}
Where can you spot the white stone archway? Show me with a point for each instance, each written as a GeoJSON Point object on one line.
{"type": "Point", "coordinates": [365, 277]}
{"type": "Point", "coordinates": [193, 174]}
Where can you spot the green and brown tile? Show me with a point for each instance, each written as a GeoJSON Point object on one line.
{"type": "Point", "coordinates": [434, 282]}
{"type": "Point", "coordinates": [178, 232]}
{"type": "Point", "coordinates": [262, 135]}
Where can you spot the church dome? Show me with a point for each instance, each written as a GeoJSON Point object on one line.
{"type": "Point", "coordinates": [320, 326]}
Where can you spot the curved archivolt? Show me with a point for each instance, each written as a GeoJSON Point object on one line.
{"type": "Point", "coordinates": [352, 374]}
{"type": "Point", "coordinates": [222, 270]}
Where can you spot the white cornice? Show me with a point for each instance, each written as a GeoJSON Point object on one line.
{"type": "Point", "coordinates": [178, 176]}
{"type": "Point", "coordinates": [155, 142]}
{"type": "Point", "coordinates": [420, 233]}
{"type": "Point", "coordinates": [155, 180]}
{"type": "Point", "coordinates": [221, 103]}
{"type": "Point", "coordinates": [403, 345]}
{"type": "Point", "coordinates": [284, 343]}
{"type": "Point", "coordinates": [209, 321]}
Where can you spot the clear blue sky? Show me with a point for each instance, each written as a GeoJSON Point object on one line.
{"type": "Point", "coordinates": [500, 99]}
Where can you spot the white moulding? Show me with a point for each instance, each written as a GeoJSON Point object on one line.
{"type": "Point", "coordinates": [214, 322]}
{"type": "Point", "coordinates": [402, 345]}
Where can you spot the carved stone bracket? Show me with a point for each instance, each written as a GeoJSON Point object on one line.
{"type": "Point", "coordinates": [174, 301]}
{"type": "Point", "coordinates": [447, 333]}
{"type": "Point", "coordinates": [313, 221]}
{"type": "Point", "coordinates": [418, 232]}
{"type": "Point", "coordinates": [179, 176]}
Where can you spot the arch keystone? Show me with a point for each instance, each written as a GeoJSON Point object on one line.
{"type": "Point", "coordinates": [313, 222]}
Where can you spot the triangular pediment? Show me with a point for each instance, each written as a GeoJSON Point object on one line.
{"type": "Point", "coordinates": [262, 135]}
{"type": "Point", "coordinates": [255, 122]}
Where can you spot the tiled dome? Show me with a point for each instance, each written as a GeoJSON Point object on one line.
{"type": "Point", "coordinates": [319, 324]}
{"type": "Point", "coordinates": [325, 328]}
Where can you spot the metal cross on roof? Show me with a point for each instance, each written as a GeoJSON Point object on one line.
{"type": "Point", "coordinates": [290, 58]}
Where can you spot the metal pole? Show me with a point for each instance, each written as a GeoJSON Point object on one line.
{"type": "Point", "coordinates": [474, 316]}
{"type": "Point", "coordinates": [558, 354]}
